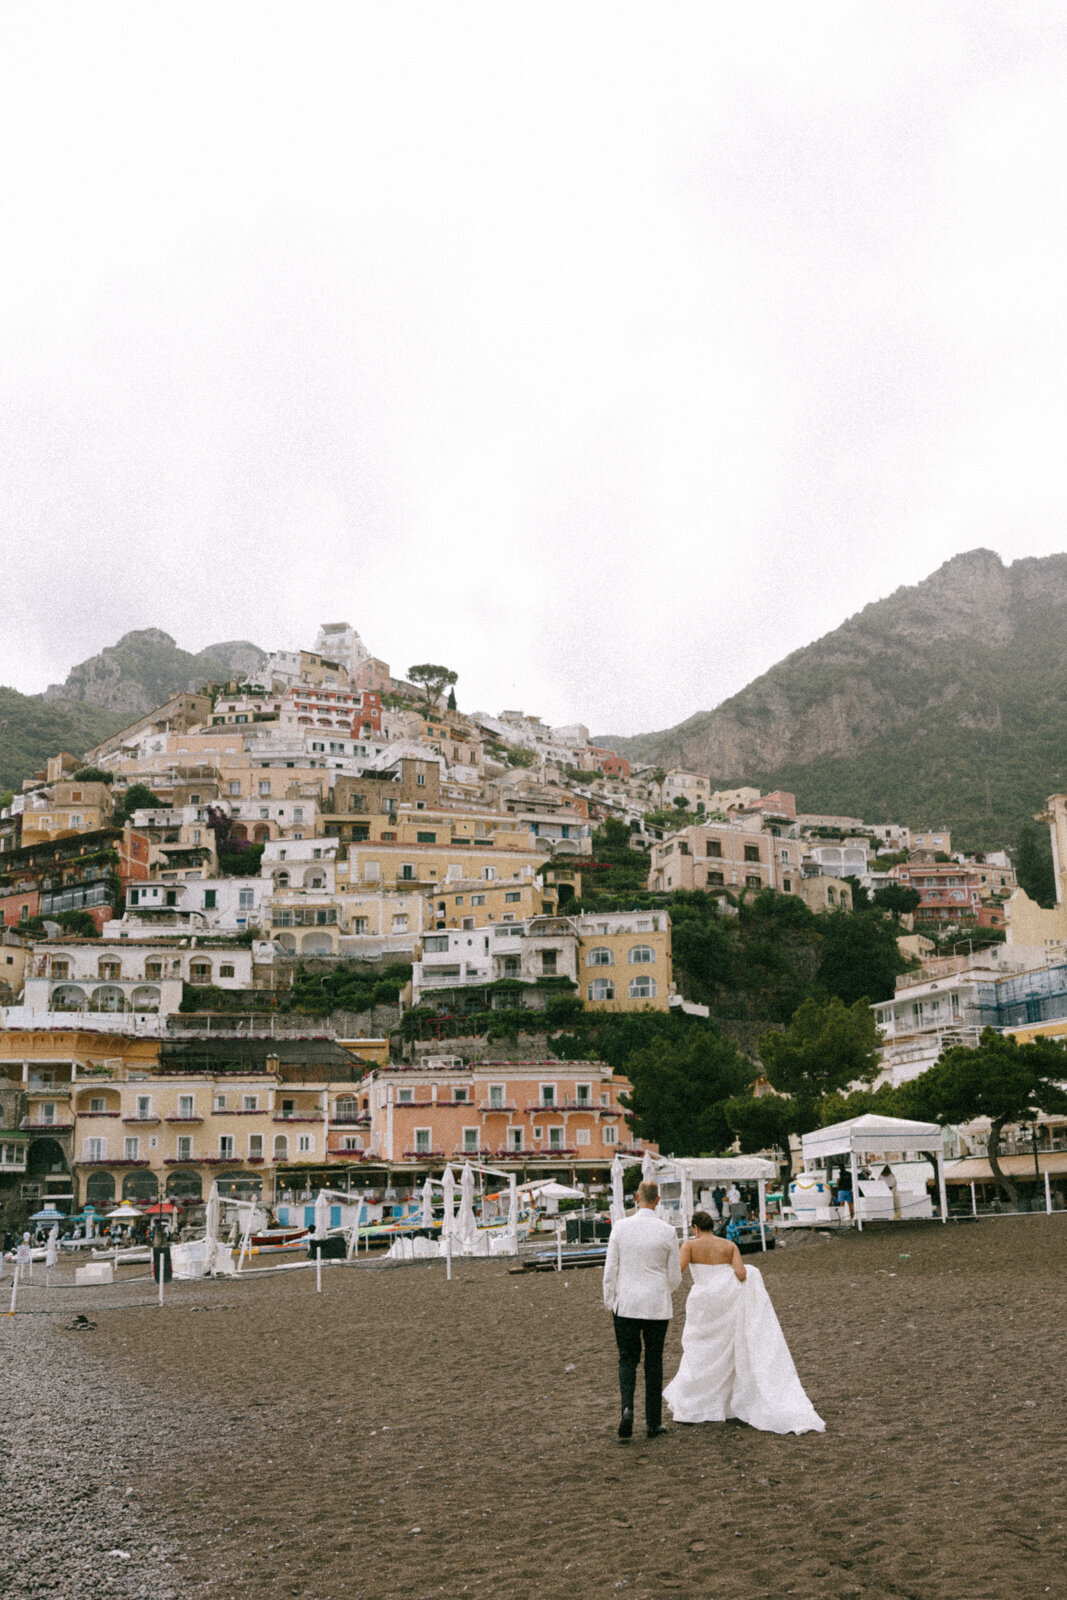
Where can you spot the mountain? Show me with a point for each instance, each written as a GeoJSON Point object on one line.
{"type": "Point", "coordinates": [146, 667]}
{"type": "Point", "coordinates": [944, 705]}
{"type": "Point", "coordinates": [32, 729]}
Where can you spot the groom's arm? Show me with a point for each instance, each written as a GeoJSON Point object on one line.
{"type": "Point", "coordinates": [611, 1271]}
{"type": "Point", "coordinates": [674, 1264]}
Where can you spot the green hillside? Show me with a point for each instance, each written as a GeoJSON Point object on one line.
{"type": "Point", "coordinates": [31, 730]}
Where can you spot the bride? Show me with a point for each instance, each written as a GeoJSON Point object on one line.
{"type": "Point", "coordinates": [735, 1361]}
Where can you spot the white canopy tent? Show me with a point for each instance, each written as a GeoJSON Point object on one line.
{"type": "Point", "coordinates": [719, 1169]}
{"type": "Point", "coordinates": [871, 1135]}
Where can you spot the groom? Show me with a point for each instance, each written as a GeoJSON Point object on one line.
{"type": "Point", "coordinates": [641, 1270]}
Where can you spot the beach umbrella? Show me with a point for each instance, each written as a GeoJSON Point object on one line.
{"type": "Point", "coordinates": [52, 1252]}
{"type": "Point", "coordinates": [513, 1206]}
{"type": "Point", "coordinates": [618, 1202]}
{"type": "Point", "coordinates": [466, 1227]}
{"type": "Point", "coordinates": [211, 1227]}
{"type": "Point", "coordinates": [125, 1213]}
{"type": "Point", "coordinates": [551, 1190]}
{"type": "Point", "coordinates": [322, 1228]}
{"type": "Point", "coordinates": [448, 1221]}
{"type": "Point", "coordinates": [48, 1214]}
{"type": "Point", "coordinates": [427, 1203]}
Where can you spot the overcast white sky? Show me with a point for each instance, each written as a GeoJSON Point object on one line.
{"type": "Point", "coordinates": [605, 352]}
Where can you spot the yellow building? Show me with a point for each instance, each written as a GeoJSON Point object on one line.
{"type": "Point", "coordinates": [66, 808]}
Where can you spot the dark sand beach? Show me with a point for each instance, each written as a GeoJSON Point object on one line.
{"type": "Point", "coordinates": [401, 1437]}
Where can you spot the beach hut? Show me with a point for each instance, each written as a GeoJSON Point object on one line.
{"type": "Point", "coordinates": [869, 1137]}
{"type": "Point", "coordinates": [691, 1170]}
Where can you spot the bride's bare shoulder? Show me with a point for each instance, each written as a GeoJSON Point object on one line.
{"type": "Point", "coordinates": [710, 1251]}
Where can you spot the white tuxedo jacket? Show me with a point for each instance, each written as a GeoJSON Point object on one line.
{"type": "Point", "coordinates": [642, 1267]}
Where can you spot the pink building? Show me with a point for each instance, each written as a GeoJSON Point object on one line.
{"type": "Point", "coordinates": [557, 1113]}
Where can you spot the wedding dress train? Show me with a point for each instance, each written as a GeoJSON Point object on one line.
{"type": "Point", "coordinates": [735, 1361]}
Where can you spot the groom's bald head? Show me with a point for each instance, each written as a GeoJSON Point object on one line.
{"type": "Point", "coordinates": [648, 1193]}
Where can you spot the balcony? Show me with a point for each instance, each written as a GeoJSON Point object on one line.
{"type": "Point", "coordinates": [543, 1105]}
{"type": "Point", "coordinates": [423, 1155]}
{"type": "Point", "coordinates": [45, 1127]}
{"type": "Point", "coordinates": [480, 1153]}
{"type": "Point", "coordinates": [143, 1121]}
{"type": "Point", "coordinates": [296, 1116]}
{"type": "Point", "coordinates": [175, 1119]}
{"type": "Point", "coordinates": [502, 1105]}
{"type": "Point", "coordinates": [50, 1091]}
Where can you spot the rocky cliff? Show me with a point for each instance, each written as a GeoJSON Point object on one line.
{"type": "Point", "coordinates": [945, 703]}
{"type": "Point", "coordinates": [146, 667]}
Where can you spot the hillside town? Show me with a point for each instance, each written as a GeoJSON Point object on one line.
{"type": "Point", "coordinates": [165, 895]}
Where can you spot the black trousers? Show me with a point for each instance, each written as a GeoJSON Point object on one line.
{"type": "Point", "coordinates": [629, 1333]}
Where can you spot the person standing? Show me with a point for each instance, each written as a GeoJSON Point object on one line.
{"type": "Point", "coordinates": [642, 1270]}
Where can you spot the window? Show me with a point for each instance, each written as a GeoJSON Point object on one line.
{"type": "Point", "coordinates": [479, 899]}
{"type": "Point", "coordinates": [425, 838]}
{"type": "Point", "coordinates": [131, 1148]}
{"type": "Point", "coordinates": [250, 1102]}
{"type": "Point", "coordinates": [246, 899]}
{"type": "Point", "coordinates": [305, 1144]}
{"type": "Point", "coordinates": [423, 1145]}
{"type": "Point", "coordinates": [405, 1097]}
{"type": "Point", "coordinates": [641, 955]}
{"type": "Point", "coordinates": [601, 989]}
{"type": "Point", "coordinates": [94, 1149]}
{"type": "Point", "coordinates": [582, 1136]}
{"type": "Point", "coordinates": [185, 1147]}
{"type": "Point", "coordinates": [200, 972]}
{"type": "Point", "coordinates": [467, 924]}
{"type": "Point", "coordinates": [489, 873]}
{"type": "Point", "coordinates": [642, 988]}
{"type": "Point", "coordinates": [235, 786]}
{"type": "Point", "coordinates": [144, 1105]}
{"type": "Point", "coordinates": [753, 881]}
{"type": "Point", "coordinates": [185, 1105]}
{"type": "Point", "coordinates": [752, 852]}
{"type": "Point", "coordinates": [548, 1094]}
{"type": "Point", "coordinates": [226, 1146]}
{"type": "Point", "coordinates": [264, 786]}
{"type": "Point", "coordinates": [583, 1093]}
{"type": "Point", "coordinates": [610, 1135]}
{"type": "Point", "coordinates": [220, 1103]}
{"type": "Point", "coordinates": [548, 962]}
{"type": "Point", "coordinates": [555, 1138]}
{"type": "Point", "coordinates": [512, 895]}
{"type": "Point", "coordinates": [600, 956]}
{"type": "Point", "coordinates": [400, 924]}
{"type": "Point", "coordinates": [434, 942]}
{"type": "Point", "coordinates": [110, 970]}
{"type": "Point", "coordinates": [496, 1096]}
{"type": "Point", "coordinates": [60, 969]}
{"type": "Point", "coordinates": [470, 1140]}
{"type": "Point", "coordinates": [210, 899]}
{"type": "Point", "coordinates": [716, 880]}
{"type": "Point", "coordinates": [407, 871]}
{"type": "Point", "coordinates": [714, 848]}
{"type": "Point", "coordinates": [226, 970]}
{"type": "Point", "coordinates": [97, 1103]}
{"type": "Point", "coordinates": [255, 1146]}
{"type": "Point", "coordinates": [420, 779]}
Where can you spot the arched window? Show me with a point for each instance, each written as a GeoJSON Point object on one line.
{"type": "Point", "coordinates": [100, 1189]}
{"type": "Point", "coordinates": [184, 1186]}
{"type": "Point", "coordinates": [347, 1109]}
{"type": "Point", "coordinates": [601, 956]}
{"type": "Point", "coordinates": [642, 988]}
{"type": "Point", "coordinates": [281, 1147]}
{"type": "Point", "coordinates": [281, 880]}
{"type": "Point", "coordinates": [200, 972]}
{"type": "Point", "coordinates": [60, 967]}
{"type": "Point", "coordinates": [601, 989]}
{"type": "Point", "coordinates": [107, 968]}
{"type": "Point", "coordinates": [140, 1186]}
{"type": "Point", "coordinates": [641, 955]}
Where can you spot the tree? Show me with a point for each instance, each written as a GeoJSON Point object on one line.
{"type": "Point", "coordinates": [451, 701]}
{"type": "Point", "coordinates": [1033, 868]}
{"type": "Point", "coordinates": [92, 775]}
{"type": "Point", "coordinates": [138, 797]}
{"type": "Point", "coordinates": [761, 1122]}
{"type": "Point", "coordinates": [897, 899]}
{"type": "Point", "coordinates": [433, 680]}
{"type": "Point", "coordinates": [859, 958]}
{"type": "Point", "coordinates": [997, 1078]}
{"type": "Point", "coordinates": [680, 1087]}
{"type": "Point", "coordinates": [828, 1046]}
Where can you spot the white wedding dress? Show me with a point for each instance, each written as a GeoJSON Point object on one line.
{"type": "Point", "coordinates": [735, 1361]}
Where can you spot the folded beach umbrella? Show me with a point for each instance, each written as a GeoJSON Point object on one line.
{"type": "Point", "coordinates": [648, 1166]}
{"type": "Point", "coordinates": [322, 1215]}
{"type": "Point", "coordinates": [618, 1201]}
{"type": "Point", "coordinates": [448, 1184]}
{"type": "Point", "coordinates": [427, 1204]}
{"type": "Point", "coordinates": [466, 1227]}
{"type": "Point", "coordinates": [211, 1226]}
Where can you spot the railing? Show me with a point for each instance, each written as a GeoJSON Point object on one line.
{"type": "Point", "coordinates": [142, 1119]}
{"type": "Point", "coordinates": [295, 1116]}
{"type": "Point", "coordinates": [481, 1153]}
{"type": "Point", "coordinates": [173, 1119]}
{"type": "Point", "coordinates": [45, 1127]}
{"type": "Point", "coordinates": [423, 1155]}
{"type": "Point", "coordinates": [503, 1105]}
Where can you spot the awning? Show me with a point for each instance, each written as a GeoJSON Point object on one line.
{"type": "Point", "coordinates": [976, 1169]}
{"type": "Point", "coordinates": [717, 1169]}
{"type": "Point", "coordinates": [869, 1135]}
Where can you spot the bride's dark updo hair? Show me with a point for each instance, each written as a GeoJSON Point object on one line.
{"type": "Point", "coordinates": [702, 1221]}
